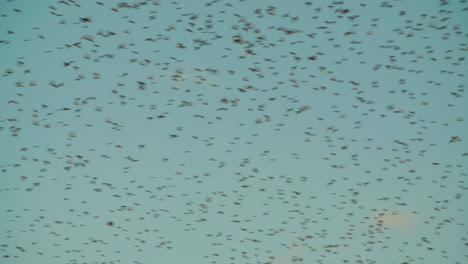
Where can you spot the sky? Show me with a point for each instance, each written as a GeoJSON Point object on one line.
{"type": "Point", "coordinates": [244, 131]}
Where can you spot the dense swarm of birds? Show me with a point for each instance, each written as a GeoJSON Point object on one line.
{"type": "Point", "coordinates": [233, 132]}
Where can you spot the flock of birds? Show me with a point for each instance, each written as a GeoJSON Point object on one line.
{"type": "Point", "coordinates": [233, 131]}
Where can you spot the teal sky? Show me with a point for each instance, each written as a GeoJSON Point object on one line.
{"type": "Point", "coordinates": [297, 132]}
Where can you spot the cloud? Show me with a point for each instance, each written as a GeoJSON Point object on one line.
{"type": "Point", "coordinates": [403, 220]}
{"type": "Point", "coordinates": [295, 251]}
{"type": "Point", "coordinates": [281, 260]}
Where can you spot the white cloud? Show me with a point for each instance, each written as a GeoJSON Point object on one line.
{"type": "Point", "coordinates": [404, 220]}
